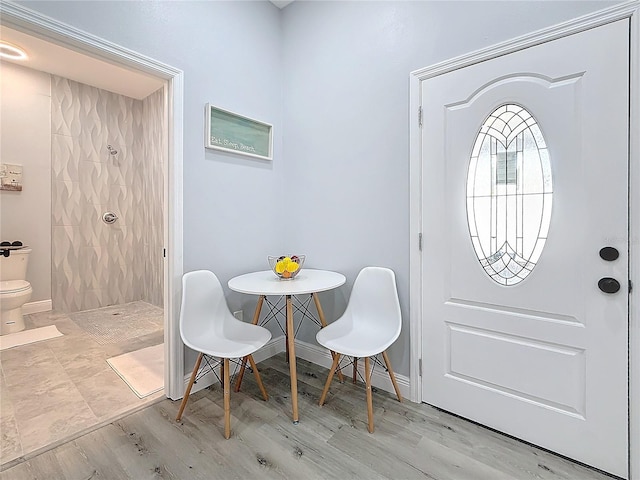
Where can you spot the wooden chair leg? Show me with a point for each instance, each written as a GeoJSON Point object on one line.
{"type": "Point", "coordinates": [323, 323]}
{"type": "Point", "coordinates": [256, 318]}
{"type": "Point", "coordinates": [367, 378]}
{"type": "Point", "coordinates": [227, 400]}
{"type": "Point", "coordinates": [355, 370]}
{"type": "Point", "coordinates": [258, 379]}
{"type": "Point", "coordinates": [391, 375]}
{"type": "Point", "coordinates": [187, 392]}
{"type": "Point", "coordinates": [334, 365]}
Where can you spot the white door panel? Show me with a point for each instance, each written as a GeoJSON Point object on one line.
{"type": "Point", "coordinates": [563, 386]}
{"type": "Point", "coordinates": [545, 359]}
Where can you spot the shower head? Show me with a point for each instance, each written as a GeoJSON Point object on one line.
{"type": "Point", "coordinates": [112, 150]}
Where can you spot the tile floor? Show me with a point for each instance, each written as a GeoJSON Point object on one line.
{"type": "Point", "coordinates": [54, 390]}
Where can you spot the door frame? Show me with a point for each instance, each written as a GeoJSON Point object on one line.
{"type": "Point", "coordinates": [33, 23]}
{"type": "Point", "coordinates": [629, 10]}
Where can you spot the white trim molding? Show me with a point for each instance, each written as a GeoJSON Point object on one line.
{"type": "Point", "coordinates": [379, 377]}
{"type": "Point", "coordinates": [634, 245]}
{"type": "Point", "coordinates": [33, 23]}
{"type": "Point", "coordinates": [629, 10]}
{"type": "Point", "coordinates": [415, 236]}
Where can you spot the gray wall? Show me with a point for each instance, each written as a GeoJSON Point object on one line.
{"type": "Point", "coordinates": [346, 115]}
{"type": "Point", "coordinates": [333, 78]}
{"type": "Point", "coordinates": [25, 139]}
{"type": "Point", "coordinates": [230, 53]}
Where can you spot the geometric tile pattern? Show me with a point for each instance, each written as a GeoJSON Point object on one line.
{"type": "Point", "coordinates": [155, 148]}
{"type": "Point", "coordinates": [94, 264]}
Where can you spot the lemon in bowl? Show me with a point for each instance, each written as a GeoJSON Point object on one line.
{"type": "Point", "coordinates": [286, 266]}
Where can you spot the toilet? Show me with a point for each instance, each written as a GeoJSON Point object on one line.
{"type": "Point", "coordinates": [15, 291]}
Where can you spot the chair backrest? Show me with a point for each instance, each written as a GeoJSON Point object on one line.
{"type": "Point", "coordinates": [204, 307]}
{"type": "Point", "coordinates": [374, 302]}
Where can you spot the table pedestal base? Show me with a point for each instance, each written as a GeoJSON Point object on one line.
{"type": "Point", "coordinates": [290, 343]}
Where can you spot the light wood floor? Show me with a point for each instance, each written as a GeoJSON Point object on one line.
{"type": "Point", "coordinates": [410, 441]}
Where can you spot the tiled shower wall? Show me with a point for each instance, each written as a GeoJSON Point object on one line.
{"type": "Point", "coordinates": [94, 264]}
{"type": "Point", "coordinates": [155, 146]}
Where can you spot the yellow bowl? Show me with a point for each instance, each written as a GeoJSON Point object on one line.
{"type": "Point", "coordinates": [286, 267]}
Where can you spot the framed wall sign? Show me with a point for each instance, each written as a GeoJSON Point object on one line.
{"type": "Point", "coordinates": [235, 133]}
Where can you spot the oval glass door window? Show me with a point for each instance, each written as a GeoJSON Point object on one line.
{"type": "Point", "coordinates": [509, 194]}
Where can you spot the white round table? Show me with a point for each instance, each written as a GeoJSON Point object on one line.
{"type": "Point", "coordinates": [266, 283]}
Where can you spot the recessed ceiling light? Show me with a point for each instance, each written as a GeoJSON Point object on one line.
{"type": "Point", "coordinates": [12, 52]}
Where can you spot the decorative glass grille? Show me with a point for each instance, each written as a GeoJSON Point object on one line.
{"type": "Point", "coordinates": [509, 194]}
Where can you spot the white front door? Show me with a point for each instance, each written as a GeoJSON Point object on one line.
{"type": "Point", "coordinates": [525, 182]}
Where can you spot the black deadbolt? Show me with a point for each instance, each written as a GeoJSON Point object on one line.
{"type": "Point", "coordinates": [609, 254]}
{"type": "Point", "coordinates": [609, 285]}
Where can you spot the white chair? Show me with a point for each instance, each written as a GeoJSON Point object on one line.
{"type": "Point", "coordinates": [207, 326]}
{"type": "Point", "coordinates": [369, 325]}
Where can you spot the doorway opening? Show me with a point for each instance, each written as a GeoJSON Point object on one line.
{"type": "Point", "coordinates": [163, 322]}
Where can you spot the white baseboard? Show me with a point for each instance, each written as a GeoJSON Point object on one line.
{"type": "Point", "coordinates": [203, 382]}
{"type": "Point", "coordinates": [275, 346]}
{"type": "Point", "coordinates": [314, 354]}
{"type": "Point", "coordinates": [37, 307]}
{"type": "Point", "coordinates": [379, 379]}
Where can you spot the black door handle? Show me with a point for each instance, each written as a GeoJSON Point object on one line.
{"type": "Point", "coordinates": [609, 254]}
{"type": "Point", "coordinates": [609, 285]}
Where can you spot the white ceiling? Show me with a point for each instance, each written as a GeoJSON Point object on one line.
{"type": "Point", "coordinates": [281, 3]}
{"type": "Point", "coordinates": [57, 60]}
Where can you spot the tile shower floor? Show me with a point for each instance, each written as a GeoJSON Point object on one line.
{"type": "Point", "coordinates": [54, 390]}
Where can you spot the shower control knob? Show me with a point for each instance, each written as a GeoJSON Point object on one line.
{"type": "Point", "coordinates": [109, 218]}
